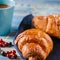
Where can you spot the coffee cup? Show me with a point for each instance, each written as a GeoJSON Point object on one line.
{"type": "Point", "coordinates": [6, 16]}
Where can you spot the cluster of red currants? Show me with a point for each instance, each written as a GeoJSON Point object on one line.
{"type": "Point", "coordinates": [9, 54]}
{"type": "Point", "coordinates": [5, 44]}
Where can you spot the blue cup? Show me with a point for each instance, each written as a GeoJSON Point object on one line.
{"type": "Point", "coordinates": [6, 15]}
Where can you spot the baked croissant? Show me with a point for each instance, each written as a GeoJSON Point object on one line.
{"type": "Point", "coordinates": [34, 44]}
{"type": "Point", "coordinates": [49, 24]}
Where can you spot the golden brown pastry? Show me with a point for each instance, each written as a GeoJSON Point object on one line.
{"type": "Point", "coordinates": [34, 44]}
{"type": "Point", "coordinates": [49, 24]}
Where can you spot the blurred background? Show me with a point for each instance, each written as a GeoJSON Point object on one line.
{"type": "Point", "coordinates": [35, 7]}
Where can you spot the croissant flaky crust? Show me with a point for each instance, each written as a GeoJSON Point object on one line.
{"type": "Point", "coordinates": [49, 24]}
{"type": "Point", "coordinates": [34, 44]}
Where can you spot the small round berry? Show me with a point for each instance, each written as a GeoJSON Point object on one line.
{"type": "Point", "coordinates": [6, 44]}
{"type": "Point", "coordinates": [1, 44]}
{"type": "Point", "coordinates": [8, 55]}
{"type": "Point", "coordinates": [1, 40]}
{"type": "Point", "coordinates": [13, 51]}
{"type": "Point", "coordinates": [15, 56]}
{"type": "Point", "coordinates": [7, 52]}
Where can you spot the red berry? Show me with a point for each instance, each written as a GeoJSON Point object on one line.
{"type": "Point", "coordinates": [1, 44]}
{"type": "Point", "coordinates": [15, 56]}
{"type": "Point", "coordinates": [8, 55]}
{"type": "Point", "coordinates": [6, 44]}
{"type": "Point", "coordinates": [13, 51]}
{"type": "Point", "coordinates": [1, 40]}
{"type": "Point", "coordinates": [9, 52]}
{"type": "Point", "coordinates": [12, 56]}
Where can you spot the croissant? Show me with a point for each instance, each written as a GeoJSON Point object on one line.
{"type": "Point", "coordinates": [34, 44]}
{"type": "Point", "coordinates": [49, 24]}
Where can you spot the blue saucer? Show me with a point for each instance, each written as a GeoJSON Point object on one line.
{"type": "Point", "coordinates": [27, 24]}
